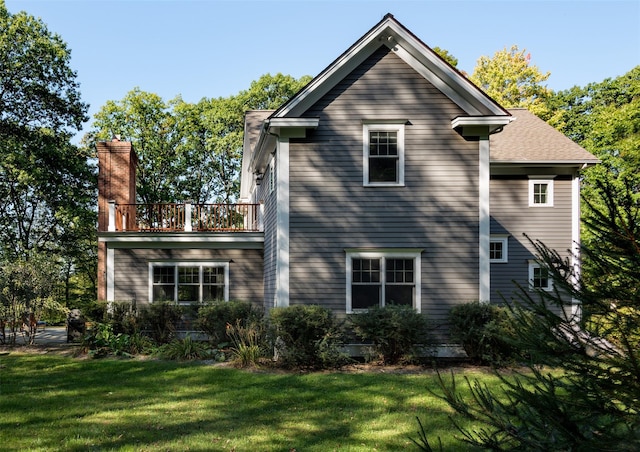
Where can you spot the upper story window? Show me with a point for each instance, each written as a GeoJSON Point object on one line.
{"type": "Point", "coordinates": [499, 249]}
{"type": "Point", "coordinates": [188, 282]}
{"type": "Point", "coordinates": [383, 154]}
{"type": "Point", "coordinates": [540, 192]}
{"type": "Point", "coordinates": [382, 278]}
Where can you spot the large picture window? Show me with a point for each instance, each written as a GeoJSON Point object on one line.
{"type": "Point", "coordinates": [188, 282]}
{"type": "Point", "coordinates": [383, 154]}
{"type": "Point", "coordinates": [382, 278]}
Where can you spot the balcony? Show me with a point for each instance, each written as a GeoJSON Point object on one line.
{"type": "Point", "coordinates": [184, 217]}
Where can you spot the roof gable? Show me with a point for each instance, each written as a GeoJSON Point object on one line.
{"type": "Point", "coordinates": [390, 33]}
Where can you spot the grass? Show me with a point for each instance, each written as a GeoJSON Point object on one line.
{"type": "Point", "coordinates": [51, 402]}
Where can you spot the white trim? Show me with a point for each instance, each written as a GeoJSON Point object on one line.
{"type": "Point", "coordinates": [383, 254]}
{"type": "Point", "coordinates": [484, 221]}
{"type": "Point", "coordinates": [185, 240]}
{"type": "Point", "coordinates": [111, 289]}
{"type": "Point", "coordinates": [575, 232]}
{"type": "Point", "coordinates": [282, 220]}
{"type": "Point", "coordinates": [504, 239]}
{"type": "Point", "coordinates": [533, 264]}
{"type": "Point", "coordinates": [382, 126]}
{"type": "Point", "coordinates": [538, 180]}
{"type": "Point", "coordinates": [200, 264]}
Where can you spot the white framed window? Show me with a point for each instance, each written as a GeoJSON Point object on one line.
{"type": "Point", "coordinates": [383, 154]}
{"type": "Point", "coordinates": [539, 277]}
{"type": "Point", "coordinates": [188, 282]}
{"type": "Point", "coordinates": [499, 249]}
{"type": "Point", "coordinates": [380, 278]}
{"type": "Point", "coordinates": [540, 192]}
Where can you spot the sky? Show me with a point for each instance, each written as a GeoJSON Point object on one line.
{"type": "Point", "coordinates": [213, 48]}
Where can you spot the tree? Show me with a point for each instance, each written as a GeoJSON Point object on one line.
{"type": "Point", "coordinates": [188, 151]}
{"type": "Point", "coordinates": [46, 183]}
{"type": "Point", "coordinates": [582, 389]}
{"type": "Point", "coordinates": [603, 118]}
{"type": "Point", "coordinates": [445, 55]}
{"type": "Point", "coordinates": [510, 79]}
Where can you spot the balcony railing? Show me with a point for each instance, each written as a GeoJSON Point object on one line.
{"type": "Point", "coordinates": [184, 217]}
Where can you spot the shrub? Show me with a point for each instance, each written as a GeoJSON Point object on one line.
{"type": "Point", "coordinates": [247, 343]}
{"type": "Point", "coordinates": [159, 320]}
{"type": "Point", "coordinates": [484, 331]}
{"type": "Point", "coordinates": [185, 349]}
{"type": "Point", "coordinates": [102, 341]}
{"type": "Point", "coordinates": [396, 331]}
{"type": "Point", "coordinates": [213, 318]}
{"type": "Point", "coordinates": [306, 336]}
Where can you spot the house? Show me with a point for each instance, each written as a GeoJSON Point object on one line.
{"type": "Point", "coordinates": [389, 178]}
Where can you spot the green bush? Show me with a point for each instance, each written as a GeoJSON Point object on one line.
{"type": "Point", "coordinates": [306, 336]}
{"type": "Point", "coordinates": [485, 332]}
{"type": "Point", "coordinates": [214, 317]}
{"type": "Point", "coordinates": [248, 342]}
{"type": "Point", "coordinates": [397, 332]}
{"type": "Point", "coordinates": [185, 349]}
{"type": "Point", "coordinates": [103, 341]}
{"type": "Point", "coordinates": [159, 320]}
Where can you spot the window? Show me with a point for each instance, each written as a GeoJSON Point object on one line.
{"type": "Point", "coordinates": [272, 175]}
{"type": "Point", "coordinates": [188, 282]}
{"type": "Point", "coordinates": [382, 278]}
{"type": "Point", "coordinates": [383, 154]}
{"type": "Point", "coordinates": [499, 249]}
{"type": "Point", "coordinates": [539, 277]}
{"type": "Point", "coordinates": [541, 192]}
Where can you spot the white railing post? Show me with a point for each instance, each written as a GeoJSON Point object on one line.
{"type": "Point", "coordinates": [112, 216]}
{"type": "Point", "coordinates": [261, 217]}
{"type": "Point", "coordinates": [187, 216]}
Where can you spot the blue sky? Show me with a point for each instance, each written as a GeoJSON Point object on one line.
{"type": "Point", "coordinates": [213, 48]}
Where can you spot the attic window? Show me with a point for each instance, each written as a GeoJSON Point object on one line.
{"type": "Point", "coordinates": [383, 154]}
{"type": "Point", "coordinates": [540, 192]}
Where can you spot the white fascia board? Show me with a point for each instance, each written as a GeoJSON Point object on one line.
{"type": "Point", "coordinates": [493, 123]}
{"type": "Point", "coordinates": [249, 240]}
{"type": "Point", "coordinates": [571, 163]}
{"type": "Point", "coordinates": [306, 123]}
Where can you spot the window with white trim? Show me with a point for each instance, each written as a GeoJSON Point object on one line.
{"type": "Point", "coordinates": [382, 278]}
{"type": "Point", "coordinates": [539, 277]}
{"type": "Point", "coordinates": [540, 192]}
{"type": "Point", "coordinates": [499, 249]}
{"type": "Point", "coordinates": [272, 175]}
{"type": "Point", "coordinates": [188, 282]}
{"type": "Point", "coordinates": [383, 154]}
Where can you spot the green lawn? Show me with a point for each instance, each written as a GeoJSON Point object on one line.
{"type": "Point", "coordinates": [51, 402]}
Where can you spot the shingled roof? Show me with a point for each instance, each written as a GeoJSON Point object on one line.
{"type": "Point", "coordinates": [528, 139]}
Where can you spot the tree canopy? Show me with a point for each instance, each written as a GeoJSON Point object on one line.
{"type": "Point", "coordinates": [188, 151]}
{"type": "Point", "coordinates": [511, 80]}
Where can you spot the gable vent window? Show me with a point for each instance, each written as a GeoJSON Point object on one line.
{"type": "Point", "coordinates": [383, 156]}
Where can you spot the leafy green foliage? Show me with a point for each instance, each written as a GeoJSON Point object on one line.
{"type": "Point", "coordinates": [510, 79]}
{"type": "Point", "coordinates": [582, 389]}
{"type": "Point", "coordinates": [46, 183]}
{"type": "Point", "coordinates": [26, 293]}
{"type": "Point", "coordinates": [214, 318]}
{"type": "Point", "coordinates": [248, 342]}
{"type": "Point", "coordinates": [185, 349]}
{"type": "Point", "coordinates": [397, 332]}
{"type": "Point", "coordinates": [306, 336]}
{"type": "Point", "coordinates": [102, 341]}
{"type": "Point", "coordinates": [485, 331]}
{"type": "Point", "coordinates": [159, 320]}
{"type": "Point", "coordinates": [188, 151]}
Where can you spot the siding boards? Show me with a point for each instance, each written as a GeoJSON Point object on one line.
{"type": "Point", "coordinates": [511, 214]}
{"type": "Point", "coordinates": [436, 211]}
{"type": "Point", "coordinates": [132, 271]}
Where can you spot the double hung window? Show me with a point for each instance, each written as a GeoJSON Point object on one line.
{"type": "Point", "coordinates": [383, 154]}
{"type": "Point", "coordinates": [499, 249]}
{"type": "Point", "coordinates": [379, 279]}
{"type": "Point", "coordinates": [188, 282]}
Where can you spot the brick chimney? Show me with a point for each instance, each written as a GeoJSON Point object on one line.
{"type": "Point", "coordinates": [117, 163]}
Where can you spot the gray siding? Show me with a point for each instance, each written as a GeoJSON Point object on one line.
{"type": "Point", "coordinates": [511, 214]}
{"type": "Point", "coordinates": [436, 211]}
{"type": "Point", "coordinates": [270, 239]}
{"type": "Point", "coordinates": [132, 271]}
